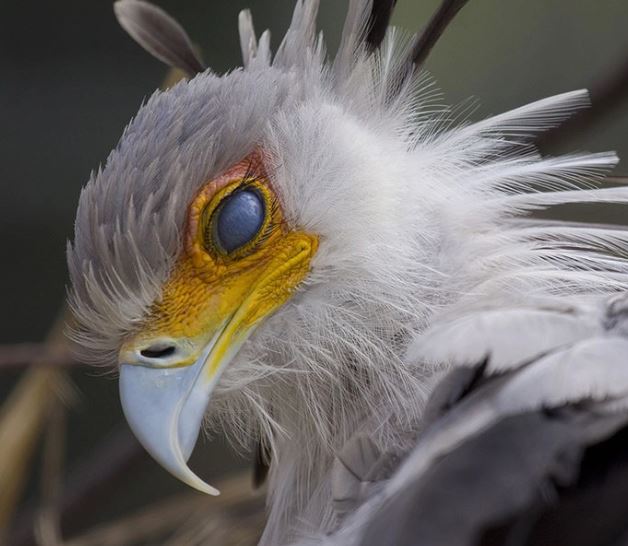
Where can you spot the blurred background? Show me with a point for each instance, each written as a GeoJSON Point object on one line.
{"type": "Point", "coordinates": [72, 80]}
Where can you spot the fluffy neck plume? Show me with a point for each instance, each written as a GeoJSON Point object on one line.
{"type": "Point", "coordinates": [331, 366]}
{"type": "Point", "coordinates": [421, 220]}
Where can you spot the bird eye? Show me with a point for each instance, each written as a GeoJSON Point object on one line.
{"type": "Point", "coordinates": [238, 219]}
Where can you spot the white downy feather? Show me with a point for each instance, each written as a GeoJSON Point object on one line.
{"type": "Point", "coordinates": [421, 224]}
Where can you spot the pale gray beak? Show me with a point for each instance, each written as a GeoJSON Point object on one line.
{"type": "Point", "coordinates": [165, 405]}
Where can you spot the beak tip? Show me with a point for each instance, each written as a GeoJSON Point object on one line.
{"type": "Point", "coordinates": [197, 483]}
{"type": "Point", "coordinates": [165, 414]}
{"type": "Point", "coordinates": [212, 491]}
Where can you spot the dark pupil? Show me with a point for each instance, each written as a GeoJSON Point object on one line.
{"type": "Point", "coordinates": [238, 219]}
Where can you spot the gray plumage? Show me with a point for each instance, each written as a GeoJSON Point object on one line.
{"type": "Point", "coordinates": [427, 262]}
{"type": "Point", "coordinates": [159, 34]}
{"type": "Point", "coordinates": [496, 480]}
{"type": "Point", "coordinates": [510, 443]}
{"type": "Point", "coordinates": [129, 222]}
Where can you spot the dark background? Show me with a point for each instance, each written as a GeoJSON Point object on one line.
{"type": "Point", "coordinates": [71, 80]}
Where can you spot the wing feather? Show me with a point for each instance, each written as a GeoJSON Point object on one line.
{"type": "Point", "coordinates": [519, 436]}
{"type": "Point", "coordinates": [489, 335]}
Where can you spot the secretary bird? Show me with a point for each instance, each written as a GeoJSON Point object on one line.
{"type": "Point", "coordinates": [308, 255]}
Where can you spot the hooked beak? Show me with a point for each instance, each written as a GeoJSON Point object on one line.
{"type": "Point", "coordinates": [165, 405]}
{"type": "Point", "coordinates": [166, 385]}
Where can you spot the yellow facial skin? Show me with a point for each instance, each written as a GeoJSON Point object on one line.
{"type": "Point", "coordinates": [210, 305]}
{"type": "Point", "coordinates": [209, 288]}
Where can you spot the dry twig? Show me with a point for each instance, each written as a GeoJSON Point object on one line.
{"type": "Point", "coordinates": [48, 523]}
{"type": "Point", "coordinates": [20, 355]}
{"type": "Point", "coordinates": [22, 418]}
{"type": "Point", "coordinates": [89, 483]}
{"type": "Point", "coordinates": [235, 513]}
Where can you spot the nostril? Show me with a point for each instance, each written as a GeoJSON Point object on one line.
{"type": "Point", "coordinates": [157, 352]}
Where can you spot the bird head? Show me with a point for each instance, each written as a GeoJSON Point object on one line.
{"type": "Point", "coordinates": [252, 245]}
{"type": "Point", "coordinates": [261, 247]}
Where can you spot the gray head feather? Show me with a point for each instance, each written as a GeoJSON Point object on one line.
{"type": "Point", "coordinates": [132, 211]}
{"type": "Point", "coordinates": [159, 34]}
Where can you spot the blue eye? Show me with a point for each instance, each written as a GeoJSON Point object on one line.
{"type": "Point", "coordinates": [238, 219]}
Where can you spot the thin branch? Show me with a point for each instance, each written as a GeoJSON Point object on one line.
{"type": "Point", "coordinates": [94, 478]}
{"type": "Point", "coordinates": [434, 29]}
{"type": "Point", "coordinates": [48, 523]}
{"type": "Point", "coordinates": [22, 418]}
{"type": "Point", "coordinates": [148, 524]}
{"type": "Point", "coordinates": [196, 514]}
{"type": "Point", "coordinates": [20, 355]}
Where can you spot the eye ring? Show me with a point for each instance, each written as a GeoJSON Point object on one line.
{"type": "Point", "coordinates": [236, 224]}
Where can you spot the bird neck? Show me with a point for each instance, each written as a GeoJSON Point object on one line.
{"type": "Point", "coordinates": [301, 487]}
